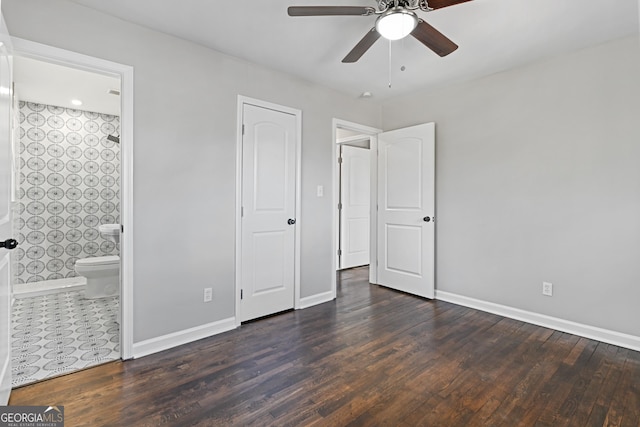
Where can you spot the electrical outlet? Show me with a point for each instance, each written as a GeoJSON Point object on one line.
{"type": "Point", "coordinates": [208, 294]}
{"type": "Point", "coordinates": [547, 289]}
{"type": "Point", "coordinates": [320, 191]}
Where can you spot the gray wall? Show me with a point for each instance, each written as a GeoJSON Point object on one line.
{"type": "Point", "coordinates": [538, 179]}
{"type": "Point", "coordinates": [184, 167]}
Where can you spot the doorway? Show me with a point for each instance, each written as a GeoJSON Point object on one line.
{"type": "Point", "coordinates": [67, 152]}
{"type": "Point", "coordinates": [354, 196]}
{"type": "Point", "coordinates": [61, 183]}
{"type": "Point", "coordinates": [402, 194]}
{"type": "Point", "coordinates": [361, 136]}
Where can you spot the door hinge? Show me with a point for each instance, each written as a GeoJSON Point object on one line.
{"type": "Point", "coordinates": [121, 228]}
{"type": "Point", "coordinates": [241, 293]}
{"type": "Point", "coordinates": [339, 159]}
{"type": "Point", "coordinates": [241, 211]}
{"type": "Point", "coordinates": [339, 205]}
{"type": "Point", "coordinates": [339, 252]}
{"type": "Point", "coordinates": [243, 128]}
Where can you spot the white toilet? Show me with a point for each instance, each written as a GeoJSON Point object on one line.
{"type": "Point", "coordinates": [103, 272]}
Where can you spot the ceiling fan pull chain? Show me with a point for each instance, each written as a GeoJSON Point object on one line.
{"type": "Point", "coordinates": [389, 64]}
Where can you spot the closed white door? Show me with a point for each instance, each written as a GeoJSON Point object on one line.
{"type": "Point", "coordinates": [406, 206]}
{"type": "Point", "coordinates": [268, 212]}
{"type": "Point", "coordinates": [354, 203]}
{"type": "Point", "coordinates": [5, 216]}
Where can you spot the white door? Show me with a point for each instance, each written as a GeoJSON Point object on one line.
{"type": "Point", "coordinates": [5, 215]}
{"type": "Point", "coordinates": [406, 186]}
{"type": "Point", "coordinates": [268, 212]}
{"type": "Point", "coordinates": [354, 203]}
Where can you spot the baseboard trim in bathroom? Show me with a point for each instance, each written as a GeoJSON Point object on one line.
{"type": "Point", "coordinates": [35, 289]}
{"type": "Point", "coordinates": [165, 342]}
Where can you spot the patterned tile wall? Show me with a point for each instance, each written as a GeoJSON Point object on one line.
{"type": "Point", "coordinates": [69, 183]}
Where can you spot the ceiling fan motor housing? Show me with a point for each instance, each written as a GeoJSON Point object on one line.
{"type": "Point", "coordinates": [396, 23]}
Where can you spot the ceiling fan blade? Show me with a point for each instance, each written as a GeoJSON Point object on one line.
{"type": "Point", "coordinates": [329, 10]}
{"type": "Point", "coordinates": [433, 39]}
{"type": "Point", "coordinates": [439, 4]}
{"type": "Point", "coordinates": [363, 45]}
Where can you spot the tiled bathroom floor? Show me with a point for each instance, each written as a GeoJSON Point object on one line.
{"type": "Point", "coordinates": [62, 332]}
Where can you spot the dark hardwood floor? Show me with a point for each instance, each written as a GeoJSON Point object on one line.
{"type": "Point", "coordinates": [374, 357]}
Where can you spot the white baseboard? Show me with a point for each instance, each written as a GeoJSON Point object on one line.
{"type": "Point", "coordinates": [611, 337]}
{"type": "Point", "coordinates": [165, 342]}
{"type": "Point", "coordinates": [29, 290]}
{"type": "Point", "coordinates": [307, 302]}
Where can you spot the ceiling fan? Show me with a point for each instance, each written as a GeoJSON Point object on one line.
{"type": "Point", "coordinates": [396, 20]}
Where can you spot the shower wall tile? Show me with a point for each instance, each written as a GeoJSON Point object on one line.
{"type": "Point", "coordinates": [69, 184]}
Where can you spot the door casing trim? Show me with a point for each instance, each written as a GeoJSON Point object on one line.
{"type": "Point", "coordinates": [373, 149]}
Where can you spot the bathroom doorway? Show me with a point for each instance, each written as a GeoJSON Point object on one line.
{"type": "Point", "coordinates": [67, 185]}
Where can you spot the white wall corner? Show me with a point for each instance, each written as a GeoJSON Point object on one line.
{"type": "Point", "coordinates": [175, 339]}
{"type": "Point", "coordinates": [611, 337]}
{"type": "Point", "coordinates": [316, 299]}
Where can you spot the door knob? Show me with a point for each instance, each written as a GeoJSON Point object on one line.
{"type": "Point", "coordinates": [291, 221]}
{"type": "Point", "coordinates": [426, 219]}
{"type": "Point", "coordinates": [9, 244]}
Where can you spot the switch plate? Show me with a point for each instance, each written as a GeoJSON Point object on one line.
{"type": "Point", "coordinates": [547, 289]}
{"type": "Point", "coordinates": [320, 191]}
{"type": "Point", "coordinates": [208, 294]}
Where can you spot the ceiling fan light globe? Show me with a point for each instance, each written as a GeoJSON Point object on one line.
{"type": "Point", "coordinates": [396, 24]}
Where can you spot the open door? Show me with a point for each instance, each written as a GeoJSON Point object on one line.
{"type": "Point", "coordinates": [406, 206]}
{"type": "Point", "coordinates": [6, 242]}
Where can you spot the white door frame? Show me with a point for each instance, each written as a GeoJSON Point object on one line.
{"type": "Point", "coordinates": [6, 217]}
{"type": "Point", "coordinates": [373, 149]}
{"type": "Point", "coordinates": [242, 101]}
{"type": "Point", "coordinates": [80, 61]}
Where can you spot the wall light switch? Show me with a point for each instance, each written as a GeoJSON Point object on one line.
{"type": "Point", "coordinates": [320, 191]}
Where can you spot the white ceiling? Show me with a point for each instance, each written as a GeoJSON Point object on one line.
{"type": "Point", "coordinates": [493, 35]}
{"type": "Point", "coordinates": [51, 84]}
